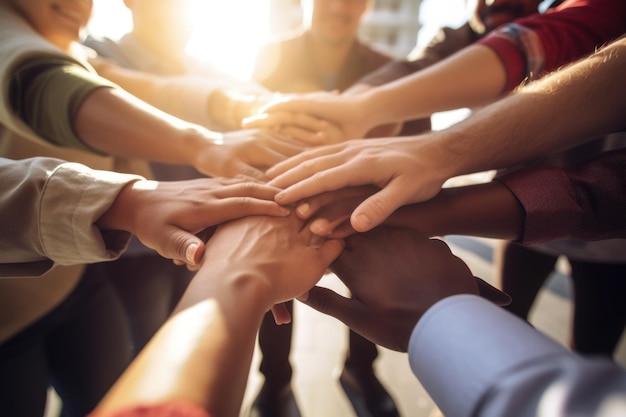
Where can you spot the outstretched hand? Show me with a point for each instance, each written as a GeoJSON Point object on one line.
{"type": "Point", "coordinates": [404, 169]}
{"type": "Point", "coordinates": [245, 152]}
{"type": "Point", "coordinates": [395, 276]}
{"type": "Point", "coordinates": [279, 253]}
{"type": "Point", "coordinates": [167, 216]}
{"type": "Point", "coordinates": [345, 112]}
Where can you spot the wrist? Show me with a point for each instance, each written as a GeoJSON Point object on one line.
{"type": "Point", "coordinates": [119, 216]}
{"type": "Point", "coordinates": [245, 295]}
{"type": "Point", "coordinates": [196, 146]}
{"type": "Point", "coordinates": [370, 108]}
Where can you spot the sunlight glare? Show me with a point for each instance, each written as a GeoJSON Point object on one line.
{"type": "Point", "coordinates": [229, 34]}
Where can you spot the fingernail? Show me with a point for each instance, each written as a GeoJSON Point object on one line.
{"type": "Point", "coordinates": [190, 253]}
{"type": "Point", "coordinates": [279, 197]}
{"type": "Point", "coordinates": [303, 209]}
{"type": "Point", "coordinates": [285, 212]}
{"type": "Point", "coordinates": [303, 297]}
{"type": "Point", "coordinates": [364, 221]}
{"type": "Point", "coordinates": [318, 229]}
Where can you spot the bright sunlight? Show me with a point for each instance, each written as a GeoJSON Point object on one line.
{"type": "Point", "coordinates": [227, 34]}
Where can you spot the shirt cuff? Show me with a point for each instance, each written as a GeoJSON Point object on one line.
{"type": "Point", "coordinates": [463, 344]}
{"type": "Point", "coordinates": [73, 199]}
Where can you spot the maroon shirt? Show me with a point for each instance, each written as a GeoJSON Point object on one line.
{"type": "Point", "coordinates": [586, 202]}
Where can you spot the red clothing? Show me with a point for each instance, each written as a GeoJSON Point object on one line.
{"type": "Point", "coordinates": [587, 202]}
{"type": "Point", "coordinates": [528, 48]}
{"type": "Point", "coordinates": [168, 409]}
{"type": "Point", "coordinates": [537, 44]}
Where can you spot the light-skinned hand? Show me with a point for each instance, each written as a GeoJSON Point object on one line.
{"type": "Point", "coordinates": [406, 170]}
{"type": "Point", "coordinates": [244, 152]}
{"type": "Point", "coordinates": [167, 216]}
{"type": "Point", "coordinates": [346, 112]}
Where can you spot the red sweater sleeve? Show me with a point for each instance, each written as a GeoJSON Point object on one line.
{"type": "Point", "coordinates": [587, 202]}
{"type": "Point", "coordinates": [167, 409]}
{"type": "Point", "coordinates": [535, 45]}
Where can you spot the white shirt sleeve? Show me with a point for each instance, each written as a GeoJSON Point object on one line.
{"type": "Point", "coordinates": [48, 208]}
{"type": "Point", "coordinates": [476, 359]}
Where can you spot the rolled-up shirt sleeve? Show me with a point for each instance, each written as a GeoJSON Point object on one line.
{"type": "Point", "coordinates": [586, 202]}
{"type": "Point", "coordinates": [49, 208]}
{"type": "Point", "coordinates": [540, 43]}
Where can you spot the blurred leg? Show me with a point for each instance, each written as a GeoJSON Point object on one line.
{"type": "Point", "coordinates": [521, 272]}
{"type": "Point", "coordinates": [149, 287]}
{"type": "Point", "coordinates": [90, 348]}
{"type": "Point", "coordinates": [600, 306]}
{"type": "Point", "coordinates": [360, 382]}
{"type": "Point", "coordinates": [24, 376]}
{"type": "Point", "coordinates": [276, 398]}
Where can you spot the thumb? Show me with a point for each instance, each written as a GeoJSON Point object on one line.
{"type": "Point", "coordinates": [329, 302]}
{"type": "Point", "coordinates": [182, 245]}
{"type": "Point", "coordinates": [378, 207]}
{"type": "Point", "coordinates": [330, 250]}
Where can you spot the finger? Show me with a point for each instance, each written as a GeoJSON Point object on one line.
{"type": "Point", "coordinates": [273, 152]}
{"type": "Point", "coordinates": [246, 188]}
{"type": "Point", "coordinates": [237, 207]}
{"type": "Point", "coordinates": [339, 199]}
{"type": "Point", "coordinates": [330, 303]}
{"type": "Point", "coordinates": [242, 168]}
{"type": "Point", "coordinates": [300, 135]}
{"type": "Point", "coordinates": [281, 314]}
{"type": "Point", "coordinates": [297, 188]}
{"type": "Point", "coordinates": [330, 250]}
{"type": "Point", "coordinates": [182, 245]}
{"type": "Point", "coordinates": [325, 226]}
{"type": "Point", "coordinates": [300, 159]}
{"type": "Point", "coordinates": [286, 146]}
{"type": "Point", "coordinates": [377, 208]}
{"type": "Point", "coordinates": [307, 122]}
{"type": "Point", "coordinates": [267, 120]}
{"type": "Point", "coordinates": [342, 231]}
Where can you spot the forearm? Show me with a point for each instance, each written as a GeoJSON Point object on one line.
{"type": "Point", "coordinates": [487, 210]}
{"type": "Point", "coordinates": [57, 203]}
{"type": "Point", "coordinates": [562, 110]}
{"type": "Point", "coordinates": [468, 78]}
{"type": "Point", "coordinates": [214, 331]}
{"type": "Point", "coordinates": [116, 123]}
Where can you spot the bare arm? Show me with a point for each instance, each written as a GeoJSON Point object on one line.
{"type": "Point", "coordinates": [202, 354]}
{"type": "Point", "coordinates": [579, 103]}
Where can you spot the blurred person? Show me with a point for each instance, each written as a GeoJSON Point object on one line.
{"type": "Point", "coordinates": [597, 269]}
{"type": "Point", "coordinates": [221, 311]}
{"type": "Point", "coordinates": [156, 47]}
{"type": "Point", "coordinates": [55, 105]}
{"type": "Point", "coordinates": [326, 55]}
{"type": "Point", "coordinates": [489, 69]}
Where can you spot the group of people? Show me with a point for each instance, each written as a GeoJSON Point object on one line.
{"type": "Point", "coordinates": [258, 188]}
